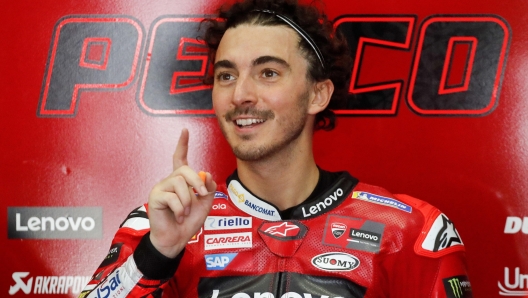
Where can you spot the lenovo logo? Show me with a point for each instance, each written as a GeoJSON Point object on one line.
{"type": "Point", "coordinates": [55, 222]}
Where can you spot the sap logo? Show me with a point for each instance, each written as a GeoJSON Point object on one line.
{"type": "Point", "coordinates": [218, 261]}
{"type": "Point", "coordinates": [518, 286]}
{"type": "Point", "coordinates": [112, 286]}
{"type": "Point", "coordinates": [515, 224]}
{"type": "Point", "coordinates": [335, 261]}
{"type": "Point", "coordinates": [322, 205]}
{"type": "Point", "coordinates": [47, 284]}
{"type": "Point", "coordinates": [216, 294]}
{"type": "Point", "coordinates": [219, 207]}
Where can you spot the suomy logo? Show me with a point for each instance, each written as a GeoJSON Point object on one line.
{"type": "Point", "coordinates": [55, 222]}
{"type": "Point", "coordinates": [47, 284]}
{"type": "Point", "coordinates": [323, 204]}
{"type": "Point", "coordinates": [335, 261]}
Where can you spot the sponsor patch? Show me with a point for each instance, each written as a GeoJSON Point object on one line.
{"type": "Point", "coordinates": [47, 284]}
{"type": "Point", "coordinates": [353, 233]}
{"type": "Point", "coordinates": [441, 235]}
{"type": "Point", "coordinates": [196, 237]}
{"type": "Point", "coordinates": [234, 240]}
{"type": "Point", "coordinates": [513, 284]}
{"type": "Point", "coordinates": [220, 195]}
{"type": "Point", "coordinates": [338, 229]}
{"type": "Point", "coordinates": [457, 287]}
{"type": "Point", "coordinates": [218, 261]}
{"type": "Point", "coordinates": [365, 196]}
{"type": "Point", "coordinates": [227, 223]}
{"type": "Point", "coordinates": [320, 206]}
{"type": "Point", "coordinates": [250, 204]}
{"type": "Point", "coordinates": [335, 261]}
{"type": "Point", "coordinates": [112, 256]}
{"type": "Point", "coordinates": [55, 222]}
{"type": "Point", "coordinates": [283, 238]}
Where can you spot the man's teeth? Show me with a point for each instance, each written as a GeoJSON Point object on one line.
{"type": "Point", "coordinates": [244, 122]}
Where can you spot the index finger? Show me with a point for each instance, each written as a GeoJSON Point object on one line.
{"type": "Point", "coordinates": [179, 158]}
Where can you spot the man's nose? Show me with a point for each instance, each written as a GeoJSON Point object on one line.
{"type": "Point", "coordinates": [245, 91]}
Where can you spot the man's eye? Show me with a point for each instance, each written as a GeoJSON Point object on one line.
{"type": "Point", "coordinates": [224, 76]}
{"type": "Point", "coordinates": [268, 73]}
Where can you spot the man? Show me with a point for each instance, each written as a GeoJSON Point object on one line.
{"type": "Point", "coordinates": [280, 226]}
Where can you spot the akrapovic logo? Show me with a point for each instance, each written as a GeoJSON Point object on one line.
{"type": "Point", "coordinates": [47, 284]}
{"type": "Point", "coordinates": [335, 261]}
{"type": "Point", "coordinates": [55, 222]}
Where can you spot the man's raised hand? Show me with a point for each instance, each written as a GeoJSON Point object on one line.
{"type": "Point", "coordinates": [175, 212]}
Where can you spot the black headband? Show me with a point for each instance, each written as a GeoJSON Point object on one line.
{"type": "Point", "coordinates": [299, 30]}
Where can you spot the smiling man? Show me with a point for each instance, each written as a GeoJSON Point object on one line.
{"type": "Point", "coordinates": [279, 226]}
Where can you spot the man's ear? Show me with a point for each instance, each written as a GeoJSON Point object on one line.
{"type": "Point", "coordinates": [322, 93]}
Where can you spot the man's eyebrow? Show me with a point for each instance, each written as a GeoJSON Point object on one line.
{"type": "Point", "coordinates": [224, 64]}
{"type": "Point", "coordinates": [266, 59]}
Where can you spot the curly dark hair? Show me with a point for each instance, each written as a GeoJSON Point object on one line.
{"type": "Point", "coordinates": [333, 45]}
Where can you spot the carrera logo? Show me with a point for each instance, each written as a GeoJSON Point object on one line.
{"type": "Point", "coordinates": [227, 223]}
{"type": "Point", "coordinates": [55, 222]}
{"type": "Point", "coordinates": [235, 240]}
{"type": "Point", "coordinates": [335, 261]}
{"type": "Point", "coordinates": [47, 284]}
{"type": "Point", "coordinates": [322, 205]}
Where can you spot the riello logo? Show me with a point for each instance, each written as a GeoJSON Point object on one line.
{"type": "Point", "coordinates": [55, 222]}
{"type": "Point", "coordinates": [515, 283]}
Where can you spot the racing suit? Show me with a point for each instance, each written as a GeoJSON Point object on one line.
{"type": "Point", "coordinates": [348, 239]}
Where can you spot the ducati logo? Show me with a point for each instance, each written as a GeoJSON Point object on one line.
{"type": "Point", "coordinates": [338, 229]}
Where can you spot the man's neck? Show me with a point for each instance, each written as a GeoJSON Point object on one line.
{"type": "Point", "coordinates": [285, 179]}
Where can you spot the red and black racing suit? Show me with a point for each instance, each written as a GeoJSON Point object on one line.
{"type": "Point", "coordinates": [348, 239]}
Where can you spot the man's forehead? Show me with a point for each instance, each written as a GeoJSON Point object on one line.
{"type": "Point", "coordinates": [249, 42]}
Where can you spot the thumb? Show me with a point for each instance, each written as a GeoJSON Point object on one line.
{"type": "Point", "coordinates": [179, 158]}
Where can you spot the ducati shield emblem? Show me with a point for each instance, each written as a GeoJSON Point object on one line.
{"type": "Point", "coordinates": [338, 229]}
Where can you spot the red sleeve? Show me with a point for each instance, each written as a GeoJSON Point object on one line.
{"type": "Point", "coordinates": [133, 267]}
{"type": "Point", "coordinates": [432, 264]}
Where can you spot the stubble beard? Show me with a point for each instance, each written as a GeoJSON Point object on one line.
{"type": "Point", "coordinates": [293, 127]}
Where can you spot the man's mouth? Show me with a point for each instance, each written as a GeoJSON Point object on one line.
{"type": "Point", "coordinates": [248, 122]}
